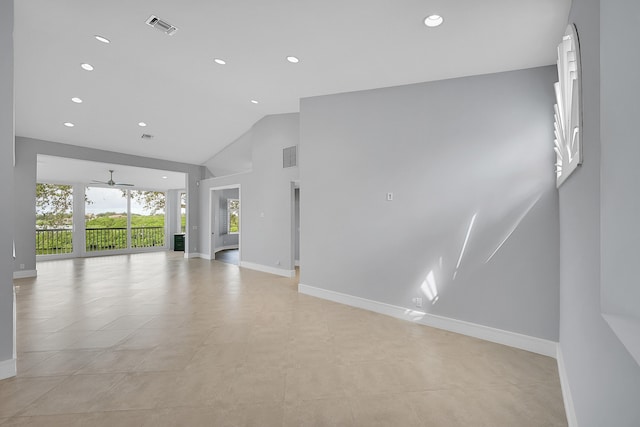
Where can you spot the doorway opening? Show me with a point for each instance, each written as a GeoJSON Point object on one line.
{"type": "Point", "coordinates": [225, 209]}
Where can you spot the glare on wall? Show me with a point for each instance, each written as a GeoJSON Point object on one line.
{"type": "Point", "coordinates": [567, 110]}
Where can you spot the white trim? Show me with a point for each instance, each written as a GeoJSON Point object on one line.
{"type": "Point", "coordinates": [487, 333]}
{"type": "Point", "coordinates": [268, 269]}
{"type": "Point", "coordinates": [569, 409]}
{"type": "Point", "coordinates": [224, 248]}
{"type": "Point", "coordinates": [23, 274]}
{"type": "Point", "coordinates": [206, 256]}
{"type": "Point", "coordinates": [194, 255]}
{"type": "Point", "coordinates": [7, 369]}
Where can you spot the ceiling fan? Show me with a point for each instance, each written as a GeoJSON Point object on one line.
{"type": "Point", "coordinates": [111, 182]}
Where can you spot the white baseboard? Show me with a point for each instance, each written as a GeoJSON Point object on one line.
{"type": "Point", "coordinates": [268, 269]}
{"type": "Point", "coordinates": [7, 369]}
{"type": "Point", "coordinates": [207, 256]}
{"type": "Point", "coordinates": [224, 248]}
{"type": "Point", "coordinates": [487, 333]}
{"type": "Point", "coordinates": [192, 255]}
{"type": "Point", "coordinates": [569, 409]}
{"type": "Point", "coordinates": [23, 274]}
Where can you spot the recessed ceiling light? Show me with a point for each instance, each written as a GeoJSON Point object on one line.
{"type": "Point", "coordinates": [77, 100]}
{"type": "Point", "coordinates": [293, 59]}
{"type": "Point", "coordinates": [219, 61]}
{"type": "Point", "coordinates": [164, 177]}
{"type": "Point", "coordinates": [433, 20]}
{"type": "Point", "coordinates": [253, 101]}
{"type": "Point", "coordinates": [87, 67]}
{"type": "Point", "coordinates": [142, 124]}
{"type": "Point", "coordinates": [69, 124]}
{"type": "Point", "coordinates": [102, 39]}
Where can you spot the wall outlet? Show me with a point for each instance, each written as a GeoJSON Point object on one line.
{"type": "Point", "coordinates": [21, 266]}
{"type": "Point", "coordinates": [278, 262]}
{"type": "Point", "coordinates": [389, 196]}
{"type": "Point", "coordinates": [418, 301]}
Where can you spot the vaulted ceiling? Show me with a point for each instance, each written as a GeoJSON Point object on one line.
{"type": "Point", "coordinates": [194, 106]}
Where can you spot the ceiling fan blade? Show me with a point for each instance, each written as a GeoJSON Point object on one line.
{"type": "Point", "coordinates": [99, 182]}
{"type": "Point", "coordinates": [123, 184]}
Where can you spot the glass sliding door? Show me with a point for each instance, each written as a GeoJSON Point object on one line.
{"type": "Point", "coordinates": [147, 219]}
{"type": "Point", "coordinates": [106, 218]}
{"type": "Point", "coordinates": [117, 219]}
{"type": "Point", "coordinates": [54, 219]}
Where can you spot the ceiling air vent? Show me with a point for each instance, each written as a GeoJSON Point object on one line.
{"type": "Point", "coordinates": [146, 136]}
{"type": "Point", "coordinates": [161, 25]}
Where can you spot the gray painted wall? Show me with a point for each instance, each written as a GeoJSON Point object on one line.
{"type": "Point", "coordinates": [27, 150]}
{"type": "Point", "coordinates": [234, 158]}
{"type": "Point", "coordinates": [6, 177]}
{"type": "Point", "coordinates": [620, 92]}
{"type": "Point", "coordinates": [266, 194]}
{"type": "Point", "coordinates": [604, 379]}
{"type": "Point", "coordinates": [448, 151]}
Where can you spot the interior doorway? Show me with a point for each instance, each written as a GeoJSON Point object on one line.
{"type": "Point", "coordinates": [225, 221]}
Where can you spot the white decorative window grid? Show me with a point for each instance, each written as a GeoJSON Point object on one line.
{"type": "Point", "coordinates": [567, 110]}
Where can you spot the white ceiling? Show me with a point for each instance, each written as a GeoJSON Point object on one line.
{"type": "Point", "coordinates": [194, 107]}
{"type": "Point", "coordinates": [60, 170]}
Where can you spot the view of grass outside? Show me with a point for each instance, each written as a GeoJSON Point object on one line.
{"type": "Point", "coordinates": [105, 219]}
{"type": "Point", "coordinates": [147, 219]}
{"type": "Point", "coordinates": [233, 209]}
{"type": "Point", "coordinates": [54, 219]}
{"type": "Point", "coordinates": [183, 212]}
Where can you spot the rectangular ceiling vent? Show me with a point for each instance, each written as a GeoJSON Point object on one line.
{"type": "Point", "coordinates": [290, 157]}
{"type": "Point", "coordinates": [146, 136]}
{"type": "Point", "coordinates": [161, 25]}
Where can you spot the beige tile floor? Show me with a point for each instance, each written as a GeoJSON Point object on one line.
{"type": "Point", "coordinates": [157, 340]}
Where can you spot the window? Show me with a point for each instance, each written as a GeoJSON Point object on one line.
{"type": "Point", "coordinates": [147, 218]}
{"type": "Point", "coordinates": [183, 212]}
{"type": "Point", "coordinates": [105, 219]}
{"type": "Point", "coordinates": [117, 219]}
{"type": "Point", "coordinates": [233, 216]}
{"type": "Point", "coordinates": [54, 219]}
